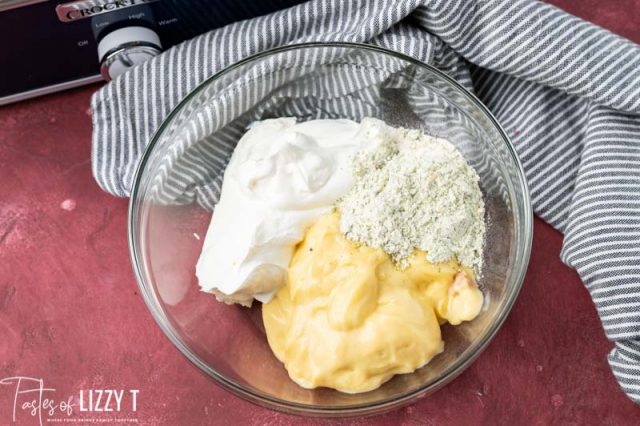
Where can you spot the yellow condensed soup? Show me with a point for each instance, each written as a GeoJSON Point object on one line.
{"type": "Point", "coordinates": [349, 319]}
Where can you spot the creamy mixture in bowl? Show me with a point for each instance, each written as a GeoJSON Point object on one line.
{"type": "Point", "coordinates": [360, 239]}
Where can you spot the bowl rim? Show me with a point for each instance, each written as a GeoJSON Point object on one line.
{"type": "Point", "coordinates": [269, 401]}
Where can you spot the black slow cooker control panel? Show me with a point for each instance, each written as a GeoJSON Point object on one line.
{"type": "Point", "coordinates": [51, 45]}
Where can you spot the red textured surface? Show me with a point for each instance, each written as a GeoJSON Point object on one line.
{"type": "Point", "coordinates": [70, 312]}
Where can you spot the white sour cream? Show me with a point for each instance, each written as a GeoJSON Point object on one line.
{"type": "Point", "coordinates": [282, 176]}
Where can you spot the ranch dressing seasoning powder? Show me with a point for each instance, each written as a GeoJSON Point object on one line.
{"type": "Point", "coordinates": [413, 191]}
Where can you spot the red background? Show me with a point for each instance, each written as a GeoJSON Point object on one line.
{"type": "Point", "coordinates": [70, 311]}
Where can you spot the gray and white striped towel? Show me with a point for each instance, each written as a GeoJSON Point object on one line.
{"type": "Point", "coordinates": [567, 93]}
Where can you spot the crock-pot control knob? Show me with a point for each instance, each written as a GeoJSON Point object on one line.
{"type": "Point", "coordinates": [125, 47]}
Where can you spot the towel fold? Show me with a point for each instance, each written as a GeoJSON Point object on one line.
{"type": "Point", "coordinates": [567, 92]}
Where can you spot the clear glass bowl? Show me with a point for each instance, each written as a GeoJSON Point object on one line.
{"type": "Point", "coordinates": [177, 182]}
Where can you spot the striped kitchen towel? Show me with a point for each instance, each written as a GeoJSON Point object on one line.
{"type": "Point", "coordinates": [566, 91]}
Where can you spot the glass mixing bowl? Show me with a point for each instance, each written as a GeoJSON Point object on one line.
{"type": "Point", "coordinates": [178, 180]}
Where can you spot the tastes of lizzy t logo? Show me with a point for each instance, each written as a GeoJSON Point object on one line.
{"type": "Point", "coordinates": [30, 398]}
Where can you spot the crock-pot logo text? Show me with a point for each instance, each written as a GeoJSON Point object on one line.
{"type": "Point", "coordinates": [73, 11]}
{"type": "Point", "coordinates": [30, 397]}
